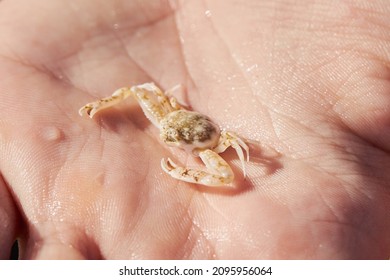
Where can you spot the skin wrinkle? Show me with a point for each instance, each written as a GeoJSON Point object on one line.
{"type": "Point", "coordinates": [351, 159]}
{"type": "Point", "coordinates": [196, 240]}
{"type": "Point", "coordinates": [209, 243]}
{"type": "Point", "coordinates": [20, 61]}
{"type": "Point", "coordinates": [130, 57]}
{"type": "Point", "coordinates": [195, 90]}
{"type": "Point", "coordinates": [190, 83]}
{"type": "Point", "coordinates": [115, 32]}
{"type": "Point", "coordinates": [185, 222]}
{"type": "Point", "coordinates": [63, 234]}
{"type": "Point", "coordinates": [190, 211]}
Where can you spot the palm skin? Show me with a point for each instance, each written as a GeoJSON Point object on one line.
{"type": "Point", "coordinates": [308, 80]}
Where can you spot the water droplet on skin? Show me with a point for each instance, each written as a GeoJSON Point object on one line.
{"type": "Point", "coordinates": [232, 77]}
{"type": "Point", "coordinates": [208, 13]}
{"type": "Point", "coordinates": [254, 66]}
{"type": "Point", "coordinates": [51, 133]}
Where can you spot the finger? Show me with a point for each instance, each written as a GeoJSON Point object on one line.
{"type": "Point", "coordinates": [58, 240]}
{"type": "Point", "coordinates": [8, 221]}
{"type": "Point", "coordinates": [56, 251]}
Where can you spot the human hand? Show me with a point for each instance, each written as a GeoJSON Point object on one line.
{"type": "Point", "coordinates": [309, 80]}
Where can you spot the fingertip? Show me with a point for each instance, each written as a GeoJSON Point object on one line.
{"type": "Point", "coordinates": [57, 251]}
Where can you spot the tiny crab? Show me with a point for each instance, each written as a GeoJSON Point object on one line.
{"type": "Point", "coordinates": [189, 130]}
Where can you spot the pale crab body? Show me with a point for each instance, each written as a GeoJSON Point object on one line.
{"type": "Point", "coordinates": [189, 130]}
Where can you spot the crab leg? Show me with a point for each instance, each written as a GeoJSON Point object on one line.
{"type": "Point", "coordinates": [92, 108]}
{"type": "Point", "coordinates": [230, 139]}
{"type": "Point", "coordinates": [172, 100]}
{"type": "Point", "coordinates": [218, 171]}
{"type": "Point", "coordinates": [152, 100]}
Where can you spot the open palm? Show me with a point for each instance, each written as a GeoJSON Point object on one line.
{"type": "Point", "coordinates": [307, 80]}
